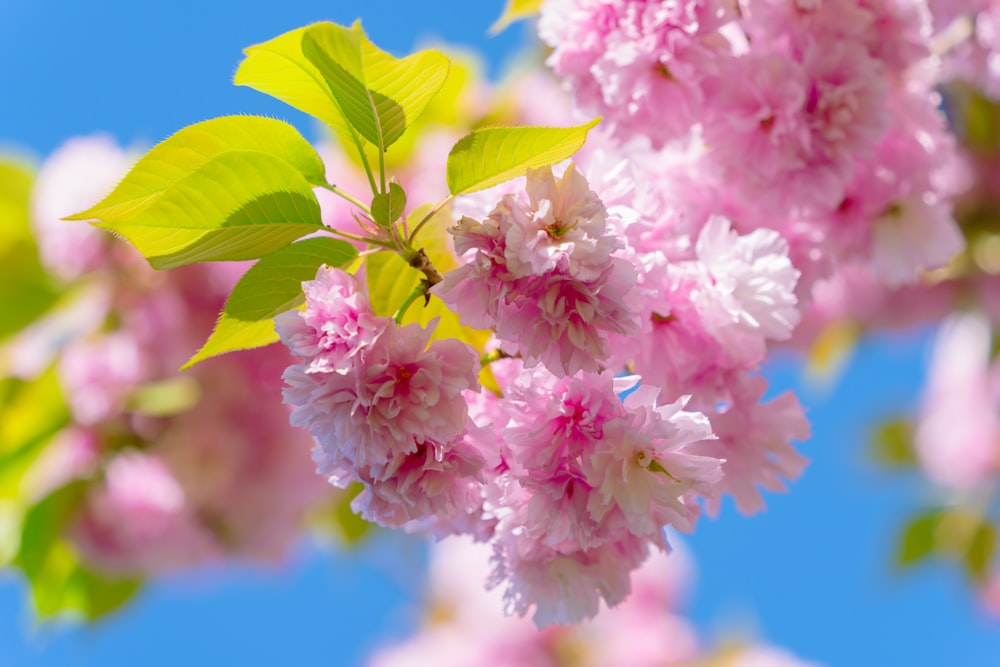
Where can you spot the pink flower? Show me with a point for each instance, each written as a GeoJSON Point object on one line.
{"type": "Point", "coordinates": [641, 466]}
{"type": "Point", "coordinates": [542, 270]}
{"type": "Point", "coordinates": [755, 441]}
{"type": "Point", "coordinates": [801, 121]}
{"type": "Point", "coordinates": [957, 431]}
{"type": "Point", "coordinates": [336, 324]}
{"type": "Point", "coordinates": [438, 485]}
{"type": "Point", "coordinates": [589, 476]}
{"type": "Point", "coordinates": [748, 294]}
{"type": "Point", "coordinates": [139, 521]}
{"type": "Point", "coordinates": [399, 394]}
{"type": "Point", "coordinates": [639, 64]}
{"type": "Point", "coordinates": [567, 587]}
{"type": "Point", "coordinates": [99, 373]}
{"type": "Point", "coordinates": [78, 174]}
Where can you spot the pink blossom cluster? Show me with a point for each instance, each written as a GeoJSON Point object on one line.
{"type": "Point", "coordinates": [463, 627]}
{"type": "Point", "coordinates": [179, 470]}
{"type": "Point", "coordinates": [818, 120]}
{"type": "Point", "coordinates": [570, 473]}
{"type": "Point", "coordinates": [545, 275]}
{"type": "Point", "coordinates": [385, 408]}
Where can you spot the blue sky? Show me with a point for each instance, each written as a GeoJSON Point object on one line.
{"type": "Point", "coordinates": [811, 574]}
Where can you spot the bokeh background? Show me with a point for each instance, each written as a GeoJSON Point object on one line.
{"type": "Point", "coordinates": [812, 574]}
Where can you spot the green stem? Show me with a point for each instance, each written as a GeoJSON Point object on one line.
{"type": "Point", "coordinates": [418, 291]}
{"type": "Point", "coordinates": [381, 169]}
{"type": "Point", "coordinates": [362, 239]}
{"type": "Point", "coordinates": [364, 162]}
{"type": "Point", "coordinates": [491, 356]}
{"type": "Point", "coordinates": [343, 195]}
{"type": "Point", "coordinates": [430, 214]}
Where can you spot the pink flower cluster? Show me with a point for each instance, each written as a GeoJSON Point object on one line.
{"type": "Point", "coordinates": [571, 474]}
{"type": "Point", "coordinates": [544, 274]}
{"type": "Point", "coordinates": [818, 120]}
{"type": "Point", "coordinates": [385, 408]}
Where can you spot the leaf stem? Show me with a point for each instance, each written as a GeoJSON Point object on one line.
{"type": "Point", "coordinates": [430, 214]}
{"type": "Point", "coordinates": [364, 162]}
{"type": "Point", "coordinates": [418, 291]}
{"type": "Point", "coordinates": [362, 239]}
{"type": "Point", "coordinates": [381, 168]}
{"type": "Point", "coordinates": [343, 195]}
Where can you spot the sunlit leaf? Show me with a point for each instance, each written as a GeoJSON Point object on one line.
{"type": "Point", "coordinates": [387, 207]}
{"type": "Point", "coordinates": [15, 190]}
{"type": "Point", "coordinates": [270, 287]}
{"type": "Point", "coordinates": [26, 290]}
{"type": "Point", "coordinates": [337, 75]}
{"type": "Point", "coordinates": [31, 412]}
{"type": "Point", "coordinates": [164, 398]}
{"type": "Point", "coordinates": [173, 160]}
{"type": "Point", "coordinates": [237, 205]}
{"type": "Point", "coordinates": [378, 94]}
{"type": "Point", "coordinates": [492, 155]}
{"type": "Point", "coordinates": [515, 11]}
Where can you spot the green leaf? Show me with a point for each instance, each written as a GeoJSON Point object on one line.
{"type": "Point", "coordinates": [44, 524]}
{"type": "Point", "coordinates": [270, 287]}
{"type": "Point", "coordinates": [919, 538]}
{"type": "Point", "coordinates": [15, 192]}
{"type": "Point", "coordinates": [492, 155]}
{"type": "Point", "coordinates": [26, 289]}
{"type": "Point", "coordinates": [831, 349]}
{"type": "Point", "coordinates": [60, 583]}
{"type": "Point", "coordinates": [388, 207]}
{"type": "Point", "coordinates": [980, 122]}
{"type": "Point", "coordinates": [391, 280]}
{"type": "Point", "coordinates": [337, 75]}
{"type": "Point", "coordinates": [177, 157]}
{"type": "Point", "coordinates": [164, 397]}
{"type": "Point", "coordinates": [237, 205]}
{"type": "Point", "coordinates": [338, 518]}
{"type": "Point", "coordinates": [980, 551]}
{"type": "Point", "coordinates": [515, 11]}
{"type": "Point", "coordinates": [892, 444]}
{"type": "Point", "coordinates": [31, 412]}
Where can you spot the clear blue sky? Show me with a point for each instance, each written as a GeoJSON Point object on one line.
{"type": "Point", "coordinates": [811, 574]}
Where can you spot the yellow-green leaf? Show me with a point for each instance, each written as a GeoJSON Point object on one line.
{"type": "Point", "coordinates": [387, 207]}
{"type": "Point", "coordinates": [270, 287]}
{"type": "Point", "coordinates": [31, 412]}
{"type": "Point", "coordinates": [177, 157]}
{"type": "Point", "coordinates": [492, 155]}
{"type": "Point", "coordinates": [26, 289]}
{"type": "Point", "coordinates": [515, 11]}
{"type": "Point", "coordinates": [237, 205]}
{"type": "Point", "coordinates": [337, 75]}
